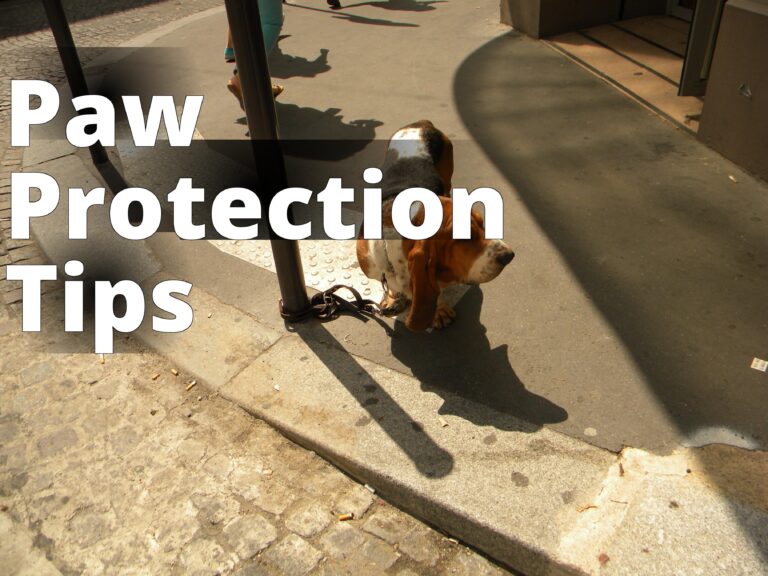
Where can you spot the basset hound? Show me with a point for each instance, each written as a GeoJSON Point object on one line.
{"type": "Point", "coordinates": [416, 271]}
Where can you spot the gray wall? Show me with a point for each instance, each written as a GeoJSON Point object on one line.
{"type": "Point", "coordinates": [540, 18]}
{"type": "Point", "coordinates": [735, 117]}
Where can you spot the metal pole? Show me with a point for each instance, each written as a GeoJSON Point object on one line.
{"type": "Point", "coordinates": [252, 67]}
{"type": "Point", "coordinates": [69, 59]}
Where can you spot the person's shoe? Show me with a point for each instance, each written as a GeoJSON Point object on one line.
{"type": "Point", "coordinates": [335, 4]}
{"type": "Point", "coordinates": [234, 87]}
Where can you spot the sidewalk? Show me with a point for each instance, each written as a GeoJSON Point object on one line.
{"type": "Point", "coordinates": [579, 417]}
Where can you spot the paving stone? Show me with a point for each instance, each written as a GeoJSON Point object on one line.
{"type": "Point", "coordinates": [216, 508]}
{"type": "Point", "coordinates": [124, 440]}
{"type": "Point", "coordinates": [309, 519]}
{"type": "Point", "coordinates": [219, 466]}
{"type": "Point", "coordinates": [341, 540]}
{"type": "Point", "coordinates": [37, 373]}
{"type": "Point", "coordinates": [9, 429]}
{"type": "Point", "coordinates": [375, 555]}
{"type": "Point", "coordinates": [465, 564]}
{"type": "Point", "coordinates": [293, 556]}
{"type": "Point", "coordinates": [251, 570]}
{"type": "Point", "coordinates": [356, 501]}
{"type": "Point", "coordinates": [61, 389]}
{"type": "Point", "coordinates": [17, 548]}
{"type": "Point", "coordinates": [249, 535]}
{"type": "Point", "coordinates": [267, 493]}
{"type": "Point", "coordinates": [100, 422]}
{"type": "Point", "coordinates": [388, 525]}
{"type": "Point", "coordinates": [191, 451]}
{"type": "Point", "coordinates": [38, 481]}
{"type": "Point", "coordinates": [201, 557]}
{"type": "Point", "coordinates": [57, 442]}
{"type": "Point", "coordinates": [91, 373]}
{"type": "Point", "coordinates": [104, 390]}
{"type": "Point", "coordinates": [173, 528]}
{"type": "Point", "coordinates": [22, 250]}
{"type": "Point", "coordinates": [421, 544]}
{"type": "Point", "coordinates": [27, 401]}
{"type": "Point", "coordinates": [8, 326]}
{"type": "Point", "coordinates": [89, 527]}
{"type": "Point", "coordinates": [43, 419]}
{"type": "Point", "coordinates": [15, 455]}
{"type": "Point", "coordinates": [12, 296]}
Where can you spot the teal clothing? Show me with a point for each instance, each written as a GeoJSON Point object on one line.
{"type": "Point", "coordinates": [271, 22]}
{"type": "Point", "coordinates": [271, 12]}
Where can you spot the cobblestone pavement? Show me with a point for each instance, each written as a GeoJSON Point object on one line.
{"type": "Point", "coordinates": [29, 56]}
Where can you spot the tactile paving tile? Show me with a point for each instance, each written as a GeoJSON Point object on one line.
{"type": "Point", "coordinates": [325, 263]}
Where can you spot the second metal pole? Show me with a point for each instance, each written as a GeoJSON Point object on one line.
{"type": "Point", "coordinates": [57, 19]}
{"type": "Point", "coordinates": [248, 39]}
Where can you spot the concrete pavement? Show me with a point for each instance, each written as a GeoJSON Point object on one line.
{"type": "Point", "coordinates": [457, 428]}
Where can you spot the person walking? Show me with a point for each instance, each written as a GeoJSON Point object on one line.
{"type": "Point", "coordinates": [272, 18]}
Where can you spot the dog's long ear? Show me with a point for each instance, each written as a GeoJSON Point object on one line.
{"type": "Point", "coordinates": [423, 269]}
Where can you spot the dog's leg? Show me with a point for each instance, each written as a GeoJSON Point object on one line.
{"type": "Point", "coordinates": [444, 315]}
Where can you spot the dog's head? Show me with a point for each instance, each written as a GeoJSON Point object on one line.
{"type": "Point", "coordinates": [441, 260]}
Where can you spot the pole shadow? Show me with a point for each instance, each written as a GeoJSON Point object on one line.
{"type": "Point", "coordinates": [427, 456]}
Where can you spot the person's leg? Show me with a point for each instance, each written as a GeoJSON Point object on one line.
{"type": "Point", "coordinates": [271, 22]}
{"type": "Point", "coordinates": [229, 51]}
{"type": "Point", "coordinates": [271, 12]}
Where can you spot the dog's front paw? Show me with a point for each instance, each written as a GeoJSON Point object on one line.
{"type": "Point", "coordinates": [444, 316]}
{"type": "Point", "coordinates": [392, 305]}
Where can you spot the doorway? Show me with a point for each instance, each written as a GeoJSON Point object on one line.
{"type": "Point", "coordinates": [682, 9]}
{"type": "Point", "coordinates": [702, 36]}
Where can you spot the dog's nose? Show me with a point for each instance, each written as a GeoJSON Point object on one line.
{"type": "Point", "coordinates": [505, 258]}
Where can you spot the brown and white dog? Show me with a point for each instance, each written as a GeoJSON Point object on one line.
{"type": "Point", "coordinates": [416, 271]}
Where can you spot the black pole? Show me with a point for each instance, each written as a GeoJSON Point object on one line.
{"type": "Point", "coordinates": [71, 62]}
{"type": "Point", "coordinates": [248, 39]}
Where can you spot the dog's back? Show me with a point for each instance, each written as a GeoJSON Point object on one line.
{"type": "Point", "coordinates": [418, 156]}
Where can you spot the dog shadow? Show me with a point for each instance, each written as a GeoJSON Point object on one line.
{"type": "Point", "coordinates": [459, 364]}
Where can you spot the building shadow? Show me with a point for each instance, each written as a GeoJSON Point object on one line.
{"type": "Point", "coordinates": [673, 256]}
{"type": "Point", "coordinates": [460, 361]}
{"type": "Point", "coordinates": [637, 220]}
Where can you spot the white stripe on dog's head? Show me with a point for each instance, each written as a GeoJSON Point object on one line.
{"type": "Point", "coordinates": [409, 143]}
